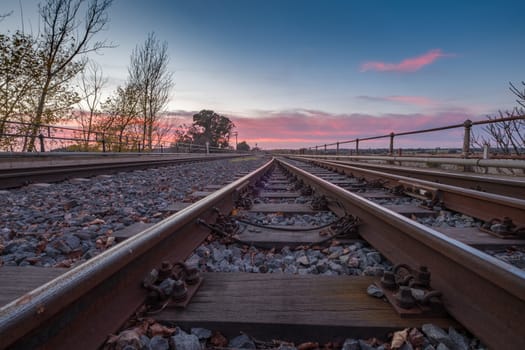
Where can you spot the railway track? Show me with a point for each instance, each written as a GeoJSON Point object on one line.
{"type": "Point", "coordinates": [21, 172]}
{"type": "Point", "coordinates": [487, 207]}
{"type": "Point", "coordinates": [506, 186]}
{"type": "Point", "coordinates": [99, 296]}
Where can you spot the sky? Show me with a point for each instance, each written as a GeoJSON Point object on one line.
{"type": "Point", "coordinates": [293, 73]}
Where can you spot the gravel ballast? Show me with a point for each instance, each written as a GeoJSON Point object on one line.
{"type": "Point", "coordinates": [61, 224]}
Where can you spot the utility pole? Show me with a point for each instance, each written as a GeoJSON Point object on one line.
{"type": "Point", "coordinates": [235, 133]}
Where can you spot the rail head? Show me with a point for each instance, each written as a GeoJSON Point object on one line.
{"type": "Point", "coordinates": [490, 163]}
{"type": "Point", "coordinates": [449, 247]}
{"type": "Point", "coordinates": [27, 313]}
{"type": "Point", "coordinates": [515, 181]}
{"type": "Point", "coordinates": [510, 206]}
{"type": "Point", "coordinates": [485, 294]}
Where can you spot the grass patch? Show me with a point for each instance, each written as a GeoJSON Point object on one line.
{"type": "Point", "coordinates": [242, 159]}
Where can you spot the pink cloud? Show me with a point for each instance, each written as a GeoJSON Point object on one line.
{"type": "Point", "coordinates": [306, 128]}
{"type": "Point", "coordinates": [407, 65]}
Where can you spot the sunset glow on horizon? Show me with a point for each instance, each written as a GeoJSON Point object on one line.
{"type": "Point", "coordinates": [293, 74]}
{"type": "Point", "coordinates": [308, 128]}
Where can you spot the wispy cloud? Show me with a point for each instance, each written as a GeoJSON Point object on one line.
{"type": "Point", "coordinates": [298, 128]}
{"type": "Point", "coordinates": [410, 100]}
{"type": "Point", "coordinates": [305, 128]}
{"type": "Point", "coordinates": [407, 65]}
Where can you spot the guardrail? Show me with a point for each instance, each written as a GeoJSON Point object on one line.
{"type": "Point", "coordinates": [466, 125]}
{"type": "Point", "coordinates": [60, 138]}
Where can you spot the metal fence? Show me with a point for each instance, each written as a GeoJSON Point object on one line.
{"type": "Point", "coordinates": [14, 136]}
{"type": "Point", "coordinates": [465, 151]}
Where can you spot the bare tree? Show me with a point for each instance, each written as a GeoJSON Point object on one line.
{"type": "Point", "coordinates": [506, 136]}
{"type": "Point", "coordinates": [91, 82]}
{"type": "Point", "coordinates": [149, 71]}
{"type": "Point", "coordinates": [162, 128]}
{"type": "Point", "coordinates": [122, 111]}
{"type": "Point", "coordinates": [66, 38]}
{"type": "Point", "coordinates": [520, 94]}
{"type": "Point", "coordinates": [4, 15]}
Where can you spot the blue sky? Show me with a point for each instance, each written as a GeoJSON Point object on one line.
{"type": "Point", "coordinates": [268, 65]}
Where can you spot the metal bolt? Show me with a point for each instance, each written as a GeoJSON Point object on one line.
{"type": "Point", "coordinates": [192, 276]}
{"type": "Point", "coordinates": [180, 292]}
{"type": "Point", "coordinates": [165, 270]}
{"type": "Point", "coordinates": [508, 222]}
{"type": "Point", "coordinates": [388, 280]}
{"type": "Point", "coordinates": [404, 298]}
{"type": "Point", "coordinates": [423, 276]}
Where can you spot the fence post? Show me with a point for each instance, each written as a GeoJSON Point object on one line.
{"type": "Point", "coordinates": [356, 147]}
{"type": "Point", "coordinates": [103, 143]}
{"type": "Point", "coordinates": [486, 147]}
{"type": "Point", "coordinates": [391, 150]}
{"type": "Point", "coordinates": [325, 148]}
{"type": "Point", "coordinates": [466, 138]}
{"type": "Point", "coordinates": [41, 138]}
{"type": "Point", "coordinates": [337, 149]}
{"type": "Point", "coordinates": [315, 150]}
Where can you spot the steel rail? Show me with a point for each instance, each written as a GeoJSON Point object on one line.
{"type": "Point", "coordinates": [481, 205]}
{"type": "Point", "coordinates": [486, 295]}
{"type": "Point", "coordinates": [511, 187]}
{"type": "Point", "coordinates": [78, 309]}
{"type": "Point", "coordinates": [16, 177]}
{"type": "Point", "coordinates": [20, 159]}
{"type": "Point", "coordinates": [465, 162]}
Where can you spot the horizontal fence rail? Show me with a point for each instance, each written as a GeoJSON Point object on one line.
{"type": "Point", "coordinates": [466, 147]}
{"type": "Point", "coordinates": [62, 138]}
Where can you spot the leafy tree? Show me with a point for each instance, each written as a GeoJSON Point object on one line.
{"type": "Point", "coordinates": [243, 147]}
{"type": "Point", "coordinates": [149, 71]}
{"type": "Point", "coordinates": [211, 127]}
{"type": "Point", "coordinates": [18, 80]}
{"type": "Point", "coordinates": [63, 44]}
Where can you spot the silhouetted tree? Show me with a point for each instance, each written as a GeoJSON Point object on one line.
{"type": "Point", "coordinates": [243, 147]}
{"type": "Point", "coordinates": [211, 127]}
